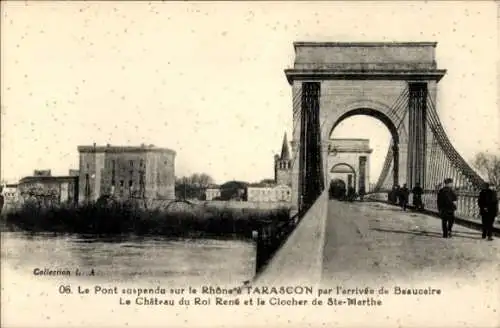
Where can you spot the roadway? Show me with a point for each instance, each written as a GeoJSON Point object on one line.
{"type": "Point", "coordinates": [378, 243]}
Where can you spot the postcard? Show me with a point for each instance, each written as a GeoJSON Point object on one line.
{"type": "Point", "coordinates": [250, 164]}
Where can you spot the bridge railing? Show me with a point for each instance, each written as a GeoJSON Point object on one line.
{"type": "Point", "coordinates": [467, 206]}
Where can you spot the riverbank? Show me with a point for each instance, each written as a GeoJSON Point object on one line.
{"type": "Point", "coordinates": [128, 219]}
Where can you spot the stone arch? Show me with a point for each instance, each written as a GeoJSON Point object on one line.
{"type": "Point", "coordinates": [352, 171]}
{"type": "Point", "coordinates": [379, 111]}
{"type": "Point", "coordinates": [343, 164]}
{"type": "Point", "coordinates": [372, 108]}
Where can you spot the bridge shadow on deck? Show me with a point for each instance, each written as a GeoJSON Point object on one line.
{"type": "Point", "coordinates": [431, 234]}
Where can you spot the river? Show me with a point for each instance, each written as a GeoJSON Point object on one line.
{"type": "Point", "coordinates": [148, 260]}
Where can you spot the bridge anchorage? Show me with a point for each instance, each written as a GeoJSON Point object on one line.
{"type": "Point", "coordinates": [395, 83]}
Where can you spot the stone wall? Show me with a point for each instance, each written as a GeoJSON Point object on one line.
{"type": "Point", "coordinates": [119, 171]}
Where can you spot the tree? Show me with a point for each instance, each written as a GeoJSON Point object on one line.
{"type": "Point", "coordinates": [42, 196]}
{"type": "Point", "coordinates": [234, 190]}
{"type": "Point", "coordinates": [205, 180]}
{"type": "Point", "coordinates": [488, 165]}
{"type": "Point", "coordinates": [192, 186]}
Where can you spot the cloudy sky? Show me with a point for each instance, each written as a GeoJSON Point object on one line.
{"type": "Point", "coordinates": [206, 79]}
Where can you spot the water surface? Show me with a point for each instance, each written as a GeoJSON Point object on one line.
{"type": "Point", "coordinates": [145, 260]}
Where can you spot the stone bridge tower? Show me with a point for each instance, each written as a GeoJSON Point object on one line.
{"type": "Point", "coordinates": [389, 81]}
{"type": "Point", "coordinates": [349, 160]}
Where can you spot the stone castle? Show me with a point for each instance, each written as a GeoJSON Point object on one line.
{"type": "Point", "coordinates": [126, 171]}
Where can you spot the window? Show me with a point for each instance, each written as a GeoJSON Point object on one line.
{"type": "Point", "coordinates": [121, 183]}
{"type": "Point", "coordinates": [131, 163]}
{"type": "Point", "coordinates": [113, 172]}
{"type": "Point", "coordinates": [130, 183]}
{"type": "Point", "coordinates": [87, 186]}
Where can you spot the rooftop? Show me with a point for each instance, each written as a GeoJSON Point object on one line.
{"type": "Point", "coordinates": [364, 44]}
{"type": "Point", "coordinates": [46, 178]}
{"type": "Point", "coordinates": [122, 149]}
{"type": "Point", "coordinates": [364, 60]}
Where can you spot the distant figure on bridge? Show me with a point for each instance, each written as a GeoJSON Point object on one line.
{"type": "Point", "coordinates": [404, 194]}
{"type": "Point", "coordinates": [1, 199]}
{"type": "Point", "coordinates": [337, 189]}
{"type": "Point", "coordinates": [351, 194]}
{"type": "Point", "coordinates": [343, 193]}
{"type": "Point", "coordinates": [488, 208]}
{"type": "Point", "coordinates": [446, 199]}
{"type": "Point", "coordinates": [394, 195]}
{"type": "Point", "coordinates": [417, 197]}
{"type": "Point", "coordinates": [362, 193]}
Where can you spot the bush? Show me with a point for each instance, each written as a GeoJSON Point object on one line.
{"type": "Point", "coordinates": [128, 218]}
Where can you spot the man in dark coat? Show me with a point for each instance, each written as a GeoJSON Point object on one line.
{"type": "Point", "coordinates": [404, 194]}
{"type": "Point", "coordinates": [1, 199]}
{"type": "Point", "coordinates": [351, 193]}
{"type": "Point", "coordinates": [362, 193]}
{"type": "Point", "coordinates": [395, 194]}
{"type": "Point", "coordinates": [417, 197]}
{"type": "Point", "coordinates": [488, 208]}
{"type": "Point", "coordinates": [446, 202]}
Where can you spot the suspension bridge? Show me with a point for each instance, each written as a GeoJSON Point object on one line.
{"type": "Point", "coordinates": [397, 84]}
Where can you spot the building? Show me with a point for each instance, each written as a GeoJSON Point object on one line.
{"type": "Point", "coordinates": [212, 193]}
{"type": "Point", "coordinates": [48, 189]}
{"type": "Point", "coordinates": [42, 173]}
{"type": "Point", "coordinates": [74, 173]}
{"type": "Point", "coordinates": [283, 165]}
{"type": "Point", "coordinates": [279, 189]}
{"type": "Point", "coordinates": [349, 161]}
{"type": "Point", "coordinates": [10, 193]}
{"type": "Point", "coordinates": [269, 193]}
{"type": "Point", "coordinates": [126, 172]}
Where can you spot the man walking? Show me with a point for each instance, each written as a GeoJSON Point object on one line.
{"type": "Point", "coordinates": [488, 208]}
{"type": "Point", "coordinates": [404, 195]}
{"type": "Point", "coordinates": [396, 195]}
{"type": "Point", "coordinates": [362, 193]}
{"type": "Point", "coordinates": [446, 199]}
{"type": "Point", "coordinates": [417, 197]}
{"type": "Point", "coordinates": [1, 199]}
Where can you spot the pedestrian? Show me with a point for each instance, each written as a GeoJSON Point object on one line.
{"type": "Point", "coordinates": [488, 209]}
{"type": "Point", "coordinates": [396, 195]}
{"type": "Point", "coordinates": [331, 190]}
{"type": "Point", "coordinates": [351, 193]}
{"type": "Point", "coordinates": [417, 197]}
{"type": "Point", "coordinates": [342, 193]}
{"type": "Point", "coordinates": [404, 194]}
{"type": "Point", "coordinates": [1, 199]}
{"type": "Point", "coordinates": [362, 193]}
{"type": "Point", "coordinates": [446, 202]}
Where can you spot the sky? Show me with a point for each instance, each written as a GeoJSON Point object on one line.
{"type": "Point", "coordinates": [206, 79]}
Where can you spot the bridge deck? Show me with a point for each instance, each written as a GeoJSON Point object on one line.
{"type": "Point", "coordinates": [374, 245]}
{"type": "Point", "coordinates": [377, 243]}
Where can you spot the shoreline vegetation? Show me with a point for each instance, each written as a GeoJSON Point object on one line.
{"type": "Point", "coordinates": [129, 219]}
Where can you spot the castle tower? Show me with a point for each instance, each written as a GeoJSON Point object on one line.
{"type": "Point", "coordinates": [283, 165]}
